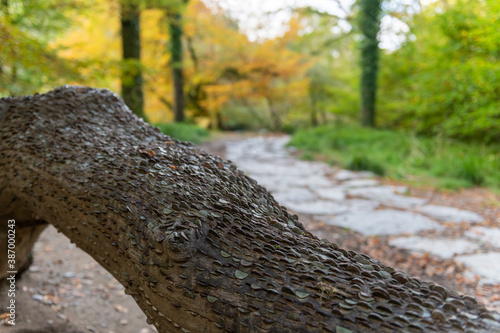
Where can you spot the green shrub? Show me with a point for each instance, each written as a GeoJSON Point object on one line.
{"type": "Point", "coordinates": [470, 169]}
{"type": "Point", "coordinates": [363, 163]}
{"type": "Point", "coordinates": [402, 155]}
{"type": "Point", "coordinates": [288, 128]}
{"type": "Point", "coordinates": [184, 132]}
{"type": "Point", "coordinates": [308, 156]}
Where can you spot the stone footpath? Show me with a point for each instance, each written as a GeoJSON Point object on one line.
{"type": "Point", "coordinates": [356, 200]}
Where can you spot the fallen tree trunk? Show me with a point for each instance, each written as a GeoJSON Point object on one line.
{"type": "Point", "coordinates": [197, 244]}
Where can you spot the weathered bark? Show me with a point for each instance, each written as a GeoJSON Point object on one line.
{"type": "Point", "coordinates": [200, 246]}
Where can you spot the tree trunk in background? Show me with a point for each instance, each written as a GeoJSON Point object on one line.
{"type": "Point", "coordinates": [175, 27]}
{"type": "Point", "coordinates": [199, 246]}
{"type": "Point", "coordinates": [276, 124]}
{"type": "Point", "coordinates": [313, 98]}
{"type": "Point", "coordinates": [314, 111]}
{"type": "Point", "coordinates": [132, 90]}
{"type": "Point", "coordinates": [369, 24]}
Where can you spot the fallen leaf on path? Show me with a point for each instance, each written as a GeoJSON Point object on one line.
{"type": "Point", "coordinates": [121, 309]}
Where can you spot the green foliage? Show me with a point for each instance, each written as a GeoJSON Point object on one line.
{"type": "Point", "coordinates": [470, 169]}
{"type": "Point", "coordinates": [184, 132]}
{"type": "Point", "coordinates": [333, 89]}
{"type": "Point", "coordinates": [445, 80]}
{"type": "Point", "coordinates": [243, 116]}
{"type": "Point", "coordinates": [308, 156]}
{"type": "Point", "coordinates": [27, 62]}
{"type": "Point", "coordinates": [361, 162]}
{"type": "Point", "coordinates": [438, 161]}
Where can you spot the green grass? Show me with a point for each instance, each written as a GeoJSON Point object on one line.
{"type": "Point", "coordinates": [184, 132]}
{"type": "Point", "coordinates": [361, 162]}
{"type": "Point", "coordinates": [402, 155]}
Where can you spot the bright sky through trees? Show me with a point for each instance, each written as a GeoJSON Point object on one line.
{"type": "Point", "coordinates": [263, 19]}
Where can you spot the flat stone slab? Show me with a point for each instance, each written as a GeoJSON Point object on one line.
{"type": "Point", "coordinates": [318, 207]}
{"type": "Point", "coordinates": [257, 147]}
{"type": "Point", "coordinates": [331, 193]}
{"type": "Point", "coordinates": [353, 206]}
{"type": "Point", "coordinates": [311, 181]}
{"type": "Point", "coordinates": [486, 235]}
{"type": "Point", "coordinates": [361, 205]}
{"type": "Point", "coordinates": [484, 265]}
{"type": "Point", "coordinates": [269, 182]}
{"type": "Point", "coordinates": [282, 168]}
{"type": "Point", "coordinates": [450, 214]}
{"type": "Point", "coordinates": [360, 183]}
{"type": "Point", "coordinates": [343, 175]}
{"type": "Point", "coordinates": [274, 169]}
{"type": "Point", "coordinates": [399, 189]}
{"type": "Point", "coordinates": [386, 196]}
{"type": "Point", "coordinates": [294, 195]}
{"type": "Point", "coordinates": [373, 191]}
{"type": "Point", "coordinates": [385, 222]}
{"type": "Point", "coordinates": [441, 247]}
{"type": "Point", "coordinates": [402, 201]}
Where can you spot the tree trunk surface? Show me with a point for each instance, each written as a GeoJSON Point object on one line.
{"type": "Point", "coordinates": [176, 32]}
{"type": "Point", "coordinates": [369, 23]}
{"type": "Point", "coordinates": [132, 81]}
{"type": "Point", "coordinates": [199, 246]}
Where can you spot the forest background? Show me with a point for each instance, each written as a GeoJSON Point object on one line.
{"type": "Point", "coordinates": [427, 95]}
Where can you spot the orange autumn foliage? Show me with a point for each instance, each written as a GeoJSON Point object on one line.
{"type": "Point", "coordinates": [221, 65]}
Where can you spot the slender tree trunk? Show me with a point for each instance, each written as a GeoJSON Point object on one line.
{"type": "Point", "coordinates": [13, 78]}
{"type": "Point", "coordinates": [198, 245]}
{"type": "Point", "coordinates": [369, 22]}
{"type": "Point", "coordinates": [314, 116]}
{"type": "Point", "coordinates": [132, 89]}
{"type": "Point", "coordinates": [195, 96]}
{"type": "Point", "coordinates": [322, 114]}
{"type": "Point", "coordinates": [192, 53]}
{"type": "Point", "coordinates": [276, 123]}
{"type": "Point", "coordinates": [314, 105]}
{"type": "Point", "coordinates": [175, 27]}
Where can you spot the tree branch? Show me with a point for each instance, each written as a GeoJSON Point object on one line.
{"type": "Point", "coordinates": [199, 246]}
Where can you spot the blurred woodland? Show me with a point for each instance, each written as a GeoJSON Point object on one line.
{"type": "Point", "coordinates": [439, 77]}
{"type": "Point", "coordinates": [406, 89]}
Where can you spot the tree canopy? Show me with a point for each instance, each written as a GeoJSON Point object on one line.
{"type": "Point", "coordinates": [438, 78]}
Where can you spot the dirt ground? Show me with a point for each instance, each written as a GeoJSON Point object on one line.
{"type": "Point", "coordinates": [66, 291]}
